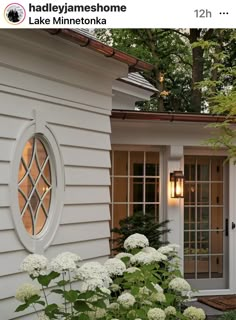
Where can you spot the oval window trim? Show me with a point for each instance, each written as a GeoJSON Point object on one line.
{"type": "Point", "coordinates": [38, 243]}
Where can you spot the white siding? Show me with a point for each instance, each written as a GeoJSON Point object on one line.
{"type": "Point", "coordinates": [69, 88]}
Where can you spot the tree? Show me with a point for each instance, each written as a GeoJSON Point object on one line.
{"type": "Point", "coordinates": [182, 59]}
{"type": "Point", "coordinates": [221, 95]}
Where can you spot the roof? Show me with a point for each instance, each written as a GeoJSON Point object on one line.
{"type": "Point", "coordinates": [85, 39]}
{"type": "Point", "coordinates": [136, 79]}
{"type": "Point", "coordinates": [166, 116]}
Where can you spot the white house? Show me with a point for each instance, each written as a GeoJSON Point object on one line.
{"type": "Point", "coordinates": [56, 101]}
{"type": "Point", "coordinates": [57, 92]}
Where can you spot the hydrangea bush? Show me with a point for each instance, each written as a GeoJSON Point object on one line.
{"type": "Point", "coordinates": [140, 284]}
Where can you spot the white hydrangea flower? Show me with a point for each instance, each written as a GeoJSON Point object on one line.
{"type": "Point", "coordinates": [147, 302]}
{"type": "Point", "coordinates": [115, 287]}
{"type": "Point", "coordinates": [156, 314]}
{"type": "Point", "coordinates": [26, 291]}
{"type": "Point", "coordinates": [66, 261]}
{"type": "Point", "coordinates": [91, 284]}
{"type": "Point", "coordinates": [149, 250]}
{"type": "Point", "coordinates": [132, 269]}
{"type": "Point", "coordinates": [123, 255]}
{"type": "Point", "coordinates": [97, 314]}
{"type": "Point", "coordinates": [158, 256]}
{"type": "Point", "coordinates": [142, 258]}
{"type": "Point", "coordinates": [114, 306]}
{"type": "Point", "coordinates": [193, 313]}
{"type": "Point", "coordinates": [93, 270]}
{"type": "Point", "coordinates": [115, 267]}
{"type": "Point", "coordinates": [169, 249]}
{"type": "Point", "coordinates": [157, 287]}
{"type": "Point", "coordinates": [170, 311]}
{"type": "Point", "coordinates": [34, 265]}
{"type": "Point", "coordinates": [105, 290]}
{"type": "Point", "coordinates": [43, 316]}
{"type": "Point", "coordinates": [179, 285]}
{"type": "Point", "coordinates": [136, 240]}
{"type": "Point", "coordinates": [144, 291]}
{"type": "Point", "coordinates": [158, 297]}
{"type": "Point", "coordinates": [126, 299]}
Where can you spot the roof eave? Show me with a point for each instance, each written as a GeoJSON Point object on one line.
{"type": "Point", "coordinates": [134, 64]}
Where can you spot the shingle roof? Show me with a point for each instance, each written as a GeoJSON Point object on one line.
{"type": "Point", "coordinates": [135, 78]}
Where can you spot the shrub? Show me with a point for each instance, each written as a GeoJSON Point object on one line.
{"type": "Point", "coordinates": [141, 284]}
{"type": "Point", "coordinates": [145, 224]}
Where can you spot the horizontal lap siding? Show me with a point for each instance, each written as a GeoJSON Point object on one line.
{"type": "Point", "coordinates": [83, 134]}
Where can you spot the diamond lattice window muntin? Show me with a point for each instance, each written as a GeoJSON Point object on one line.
{"type": "Point", "coordinates": [34, 186]}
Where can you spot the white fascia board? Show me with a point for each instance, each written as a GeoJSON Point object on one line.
{"type": "Point", "coordinates": [132, 90]}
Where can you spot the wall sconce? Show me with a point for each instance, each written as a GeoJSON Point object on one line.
{"type": "Point", "coordinates": [177, 184]}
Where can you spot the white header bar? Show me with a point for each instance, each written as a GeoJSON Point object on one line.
{"type": "Point", "coordinates": [118, 14]}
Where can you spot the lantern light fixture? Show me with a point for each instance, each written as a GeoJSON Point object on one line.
{"type": "Point", "coordinates": [177, 184]}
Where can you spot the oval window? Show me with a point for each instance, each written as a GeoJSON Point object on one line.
{"type": "Point", "coordinates": [34, 185]}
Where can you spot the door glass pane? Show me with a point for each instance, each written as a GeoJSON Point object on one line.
{"type": "Point", "coordinates": [189, 267]}
{"type": "Point", "coordinates": [217, 266]}
{"type": "Point", "coordinates": [217, 194]}
{"type": "Point", "coordinates": [217, 242]}
{"type": "Point", "coordinates": [203, 193]}
{"type": "Point", "coordinates": [189, 193]}
{"type": "Point", "coordinates": [202, 267]}
{"type": "Point", "coordinates": [203, 218]}
{"type": "Point", "coordinates": [216, 218]}
{"type": "Point", "coordinates": [203, 171]}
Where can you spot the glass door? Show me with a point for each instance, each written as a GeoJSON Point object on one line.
{"type": "Point", "coordinates": [205, 223]}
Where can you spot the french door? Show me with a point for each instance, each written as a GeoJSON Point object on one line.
{"type": "Point", "coordinates": [206, 222]}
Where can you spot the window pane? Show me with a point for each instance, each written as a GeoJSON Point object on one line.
{"type": "Point", "coordinates": [120, 189]}
{"type": "Point", "coordinates": [120, 163]}
{"type": "Point", "coordinates": [152, 164]}
{"type": "Point", "coordinates": [119, 213]}
{"type": "Point", "coordinates": [138, 192]}
{"type": "Point", "coordinates": [151, 192]}
{"type": "Point", "coordinates": [34, 186]}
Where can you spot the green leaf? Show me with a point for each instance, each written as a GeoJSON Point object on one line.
{"type": "Point", "coordinates": [86, 295]}
{"type": "Point", "coordinates": [33, 299]}
{"type": "Point", "coordinates": [83, 317]}
{"type": "Point", "coordinates": [59, 291]}
{"type": "Point", "coordinates": [99, 304]}
{"type": "Point", "coordinates": [45, 280]}
{"type": "Point", "coordinates": [81, 306]}
{"type": "Point", "coordinates": [22, 307]}
{"type": "Point", "coordinates": [63, 283]}
{"type": "Point", "coordinates": [71, 295]}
